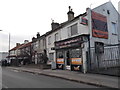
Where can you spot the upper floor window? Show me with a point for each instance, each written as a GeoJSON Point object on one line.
{"type": "Point", "coordinates": [56, 37]}
{"type": "Point", "coordinates": [43, 42]}
{"type": "Point", "coordinates": [49, 40]}
{"type": "Point", "coordinates": [74, 30]}
{"type": "Point", "coordinates": [114, 28]}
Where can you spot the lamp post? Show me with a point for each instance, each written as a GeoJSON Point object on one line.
{"type": "Point", "coordinates": [9, 50]}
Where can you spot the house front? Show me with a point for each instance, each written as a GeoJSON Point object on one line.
{"type": "Point", "coordinates": [38, 48]}
{"type": "Point", "coordinates": [85, 37]}
{"type": "Point", "coordinates": [13, 55]}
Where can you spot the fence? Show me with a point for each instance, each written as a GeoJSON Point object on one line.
{"type": "Point", "coordinates": [107, 62]}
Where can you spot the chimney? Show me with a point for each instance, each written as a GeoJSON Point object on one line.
{"type": "Point", "coordinates": [54, 25]}
{"type": "Point", "coordinates": [70, 14]}
{"type": "Point", "coordinates": [33, 38]}
{"type": "Point", "coordinates": [38, 35]}
{"type": "Point", "coordinates": [26, 41]}
{"type": "Point", "coordinates": [17, 44]}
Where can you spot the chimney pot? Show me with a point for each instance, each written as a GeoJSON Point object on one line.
{"type": "Point", "coordinates": [70, 14]}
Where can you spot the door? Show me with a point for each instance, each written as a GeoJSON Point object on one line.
{"type": "Point", "coordinates": [67, 59]}
{"type": "Point", "coordinates": [60, 60]}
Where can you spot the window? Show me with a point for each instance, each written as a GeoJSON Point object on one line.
{"type": "Point", "coordinates": [49, 40]}
{"type": "Point", "coordinates": [44, 43]}
{"type": "Point", "coordinates": [60, 54]}
{"type": "Point", "coordinates": [84, 21]}
{"type": "Point", "coordinates": [76, 53]}
{"type": "Point", "coordinates": [51, 56]}
{"type": "Point", "coordinates": [74, 30]}
{"type": "Point", "coordinates": [56, 37]}
{"type": "Point", "coordinates": [99, 47]}
{"type": "Point", "coordinates": [114, 28]}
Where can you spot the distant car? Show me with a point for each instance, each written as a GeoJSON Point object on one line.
{"type": "Point", "coordinates": [4, 62]}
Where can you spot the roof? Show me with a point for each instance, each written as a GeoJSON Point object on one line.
{"type": "Point", "coordinates": [11, 56]}
{"type": "Point", "coordinates": [21, 46]}
{"type": "Point", "coordinates": [65, 23]}
{"type": "Point", "coordinates": [25, 45]}
{"type": "Point", "coordinates": [16, 47]}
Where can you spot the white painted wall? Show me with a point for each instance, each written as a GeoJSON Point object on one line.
{"type": "Point", "coordinates": [12, 52]}
{"type": "Point", "coordinates": [66, 33]}
{"type": "Point", "coordinates": [119, 20]}
{"type": "Point", "coordinates": [112, 17]}
{"type": "Point", "coordinates": [49, 46]}
{"type": "Point", "coordinates": [119, 7]}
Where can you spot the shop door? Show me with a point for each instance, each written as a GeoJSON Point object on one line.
{"type": "Point", "coordinates": [67, 60]}
{"type": "Point", "coordinates": [60, 60]}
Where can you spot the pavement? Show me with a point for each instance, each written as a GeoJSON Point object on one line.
{"type": "Point", "coordinates": [17, 79]}
{"type": "Point", "coordinates": [88, 78]}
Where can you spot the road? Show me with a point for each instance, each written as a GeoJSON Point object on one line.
{"type": "Point", "coordinates": [16, 79]}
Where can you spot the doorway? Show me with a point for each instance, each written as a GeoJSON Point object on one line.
{"type": "Point", "coordinates": [67, 60]}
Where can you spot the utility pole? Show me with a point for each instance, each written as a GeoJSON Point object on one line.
{"type": "Point", "coordinates": [9, 42]}
{"type": "Point", "coordinates": [9, 48]}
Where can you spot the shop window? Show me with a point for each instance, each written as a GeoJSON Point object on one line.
{"type": "Point", "coordinates": [60, 54]}
{"type": "Point", "coordinates": [76, 53]}
{"type": "Point", "coordinates": [74, 30]}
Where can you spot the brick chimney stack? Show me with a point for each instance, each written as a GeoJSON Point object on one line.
{"type": "Point", "coordinates": [38, 35]}
{"type": "Point", "coordinates": [17, 44]}
{"type": "Point", "coordinates": [70, 14]}
{"type": "Point", "coordinates": [54, 25]}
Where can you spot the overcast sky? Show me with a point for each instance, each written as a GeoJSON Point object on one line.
{"type": "Point", "coordinates": [24, 18]}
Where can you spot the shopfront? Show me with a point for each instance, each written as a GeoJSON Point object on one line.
{"type": "Point", "coordinates": [69, 53]}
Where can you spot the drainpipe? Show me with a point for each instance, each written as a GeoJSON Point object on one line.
{"type": "Point", "coordinates": [84, 57]}
{"type": "Point", "coordinates": [89, 37]}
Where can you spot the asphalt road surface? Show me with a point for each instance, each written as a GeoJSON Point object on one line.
{"type": "Point", "coordinates": [16, 79]}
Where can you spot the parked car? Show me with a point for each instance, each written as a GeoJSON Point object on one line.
{"type": "Point", "coordinates": [4, 62]}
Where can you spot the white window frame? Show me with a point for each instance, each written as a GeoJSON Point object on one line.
{"type": "Point", "coordinates": [114, 28]}
{"type": "Point", "coordinates": [56, 36]}
{"type": "Point", "coordinates": [49, 40]}
{"type": "Point", "coordinates": [71, 29]}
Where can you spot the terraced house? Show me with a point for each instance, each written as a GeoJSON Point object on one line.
{"type": "Point", "coordinates": [87, 42]}
{"type": "Point", "coordinates": [21, 54]}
